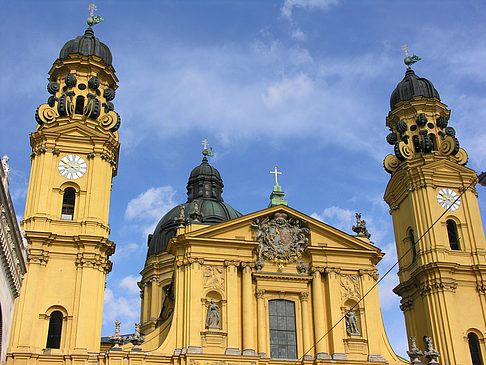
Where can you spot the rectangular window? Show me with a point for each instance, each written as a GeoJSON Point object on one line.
{"type": "Point", "coordinates": [283, 339]}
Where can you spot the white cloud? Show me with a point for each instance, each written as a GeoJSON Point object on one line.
{"type": "Point", "coordinates": [130, 284]}
{"type": "Point", "coordinates": [289, 5]}
{"type": "Point", "coordinates": [337, 217]}
{"type": "Point", "coordinates": [122, 308]}
{"type": "Point", "coordinates": [287, 89]}
{"type": "Point", "coordinates": [126, 250]}
{"type": "Point", "coordinates": [298, 34]}
{"type": "Point", "coordinates": [147, 208]}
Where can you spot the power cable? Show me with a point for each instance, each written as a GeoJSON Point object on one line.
{"type": "Point", "coordinates": [390, 269]}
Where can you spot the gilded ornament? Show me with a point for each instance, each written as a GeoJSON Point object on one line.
{"type": "Point", "coordinates": [53, 87]}
{"type": "Point", "coordinates": [45, 114]}
{"type": "Point", "coordinates": [391, 163]}
{"type": "Point", "coordinates": [109, 94]}
{"type": "Point", "coordinates": [392, 138]}
{"type": "Point", "coordinates": [94, 83]}
{"type": "Point", "coordinates": [401, 126]}
{"type": "Point", "coordinates": [70, 80]}
{"type": "Point", "coordinates": [441, 122]}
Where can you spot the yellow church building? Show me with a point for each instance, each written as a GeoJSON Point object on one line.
{"type": "Point", "coordinates": [221, 288]}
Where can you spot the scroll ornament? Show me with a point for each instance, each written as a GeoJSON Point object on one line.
{"type": "Point", "coordinates": [62, 103]}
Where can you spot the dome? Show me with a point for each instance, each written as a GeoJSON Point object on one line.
{"type": "Point", "coordinates": [411, 86]}
{"type": "Point", "coordinates": [204, 204]}
{"type": "Point", "coordinates": [87, 45]}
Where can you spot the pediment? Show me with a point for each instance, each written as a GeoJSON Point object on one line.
{"type": "Point", "coordinates": [73, 128]}
{"type": "Point", "coordinates": [321, 234]}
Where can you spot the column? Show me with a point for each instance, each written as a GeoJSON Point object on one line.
{"type": "Point", "coordinates": [262, 320]}
{"type": "Point", "coordinates": [334, 295]}
{"type": "Point", "coordinates": [154, 299]}
{"type": "Point", "coordinates": [306, 335]}
{"type": "Point", "coordinates": [248, 312]}
{"type": "Point", "coordinates": [195, 309]}
{"type": "Point", "coordinates": [146, 302]}
{"type": "Point", "coordinates": [319, 318]}
{"type": "Point", "coordinates": [232, 315]}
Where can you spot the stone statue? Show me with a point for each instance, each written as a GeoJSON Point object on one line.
{"type": "Point", "coordinates": [116, 339]}
{"type": "Point", "coordinates": [360, 227]}
{"type": "Point", "coordinates": [414, 352]}
{"type": "Point", "coordinates": [431, 354]}
{"type": "Point", "coordinates": [181, 220]}
{"type": "Point", "coordinates": [212, 319]}
{"type": "Point", "coordinates": [137, 339]}
{"type": "Point", "coordinates": [6, 168]}
{"type": "Point", "coordinates": [352, 323]}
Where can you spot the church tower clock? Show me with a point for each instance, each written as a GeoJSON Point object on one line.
{"type": "Point", "coordinates": [74, 158]}
{"type": "Point", "coordinates": [438, 230]}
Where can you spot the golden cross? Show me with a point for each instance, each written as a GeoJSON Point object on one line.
{"type": "Point", "coordinates": [276, 173]}
{"type": "Point", "coordinates": [92, 9]}
{"type": "Point", "coordinates": [405, 48]}
{"type": "Point", "coordinates": [205, 143]}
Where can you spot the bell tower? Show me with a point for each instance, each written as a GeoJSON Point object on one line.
{"type": "Point", "coordinates": [74, 158]}
{"type": "Point", "coordinates": [438, 230]}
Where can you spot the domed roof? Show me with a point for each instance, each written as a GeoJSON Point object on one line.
{"type": "Point", "coordinates": [87, 45]}
{"type": "Point", "coordinates": [204, 205]}
{"type": "Point", "coordinates": [411, 86]}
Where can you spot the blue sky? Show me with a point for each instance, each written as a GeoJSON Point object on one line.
{"type": "Point", "coordinates": [303, 85]}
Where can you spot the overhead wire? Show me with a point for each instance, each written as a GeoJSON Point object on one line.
{"type": "Point", "coordinates": [389, 270]}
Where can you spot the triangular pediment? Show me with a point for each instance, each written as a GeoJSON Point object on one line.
{"type": "Point", "coordinates": [322, 235]}
{"type": "Point", "coordinates": [74, 129]}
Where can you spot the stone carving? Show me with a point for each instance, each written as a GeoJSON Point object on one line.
{"type": "Point", "coordinates": [350, 286]}
{"type": "Point", "coordinates": [360, 227]}
{"type": "Point", "coordinates": [137, 339]}
{"type": "Point", "coordinates": [281, 238]}
{"type": "Point", "coordinates": [196, 216]}
{"type": "Point", "coordinates": [181, 220]}
{"type": "Point", "coordinates": [6, 168]}
{"type": "Point", "coordinates": [352, 323]}
{"type": "Point", "coordinates": [431, 354]}
{"type": "Point", "coordinates": [302, 267]}
{"type": "Point", "coordinates": [259, 265]}
{"type": "Point", "coordinates": [93, 83]}
{"type": "Point", "coordinates": [70, 80]}
{"type": "Point", "coordinates": [213, 277]}
{"type": "Point", "coordinates": [414, 352]}
{"type": "Point", "coordinates": [53, 87]}
{"type": "Point", "coordinates": [212, 318]}
{"type": "Point", "coordinates": [116, 339]}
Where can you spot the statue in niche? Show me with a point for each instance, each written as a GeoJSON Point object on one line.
{"type": "Point", "coordinates": [352, 323]}
{"type": "Point", "coordinates": [212, 319]}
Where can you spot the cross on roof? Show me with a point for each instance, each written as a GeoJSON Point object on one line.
{"type": "Point", "coordinates": [92, 9]}
{"type": "Point", "coordinates": [276, 173]}
{"type": "Point", "coordinates": [405, 48]}
{"type": "Point", "coordinates": [205, 143]}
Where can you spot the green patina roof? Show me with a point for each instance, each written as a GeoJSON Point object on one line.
{"type": "Point", "coordinates": [277, 196]}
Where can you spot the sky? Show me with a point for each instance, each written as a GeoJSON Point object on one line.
{"type": "Point", "coordinates": [303, 85]}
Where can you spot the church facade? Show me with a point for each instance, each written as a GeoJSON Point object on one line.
{"type": "Point", "coordinates": [218, 287]}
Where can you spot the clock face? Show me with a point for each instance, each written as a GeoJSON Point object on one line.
{"type": "Point", "coordinates": [72, 167]}
{"type": "Point", "coordinates": [447, 199]}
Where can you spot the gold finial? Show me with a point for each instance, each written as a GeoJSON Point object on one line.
{"type": "Point", "coordinates": [276, 173]}
{"type": "Point", "coordinates": [405, 48]}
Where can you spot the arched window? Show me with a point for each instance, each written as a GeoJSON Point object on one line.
{"type": "Point", "coordinates": [283, 342]}
{"type": "Point", "coordinates": [434, 141]}
{"type": "Point", "coordinates": [476, 357]}
{"type": "Point", "coordinates": [412, 245]}
{"type": "Point", "coordinates": [68, 200]}
{"type": "Point", "coordinates": [79, 105]}
{"type": "Point", "coordinates": [55, 329]}
{"type": "Point", "coordinates": [452, 233]}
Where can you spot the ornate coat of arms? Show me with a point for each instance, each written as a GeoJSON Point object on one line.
{"type": "Point", "coordinates": [281, 238]}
